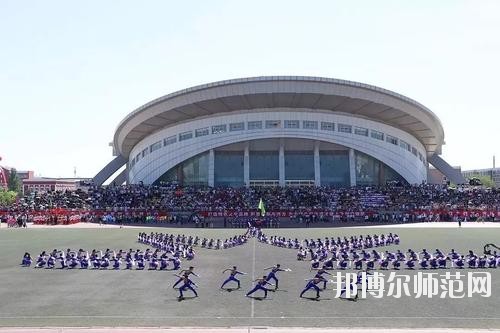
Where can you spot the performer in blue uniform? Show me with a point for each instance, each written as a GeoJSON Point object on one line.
{"type": "Point", "coordinates": [26, 260]}
{"type": "Point", "coordinates": [187, 284]}
{"type": "Point", "coordinates": [261, 283]}
{"type": "Point", "coordinates": [319, 275]}
{"type": "Point", "coordinates": [312, 284]}
{"type": "Point", "coordinates": [184, 273]}
{"type": "Point", "coordinates": [274, 270]}
{"type": "Point", "coordinates": [232, 276]}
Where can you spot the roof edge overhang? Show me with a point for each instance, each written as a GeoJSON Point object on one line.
{"type": "Point", "coordinates": [415, 109]}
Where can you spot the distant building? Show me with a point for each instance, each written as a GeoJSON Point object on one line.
{"type": "Point", "coordinates": [434, 176]}
{"type": "Point", "coordinates": [44, 184]}
{"type": "Point", "coordinates": [493, 173]}
{"type": "Point", "coordinates": [5, 173]}
{"type": "Point", "coordinates": [278, 131]}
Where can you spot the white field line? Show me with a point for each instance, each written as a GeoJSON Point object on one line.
{"type": "Point", "coordinates": [245, 317]}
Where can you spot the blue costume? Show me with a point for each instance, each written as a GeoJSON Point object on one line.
{"type": "Point", "coordinates": [319, 275]}
{"type": "Point", "coordinates": [272, 274]}
{"type": "Point", "coordinates": [260, 286]}
{"type": "Point", "coordinates": [187, 285]}
{"type": "Point", "coordinates": [26, 260]}
{"type": "Point", "coordinates": [312, 284]}
{"type": "Point", "coordinates": [185, 274]}
{"type": "Point", "coordinates": [232, 277]}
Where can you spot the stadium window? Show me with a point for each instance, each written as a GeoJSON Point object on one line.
{"type": "Point", "coordinates": [170, 140]}
{"type": "Point", "coordinates": [236, 127]}
{"type": "Point", "coordinates": [186, 136]}
{"type": "Point", "coordinates": [377, 135]}
{"type": "Point", "coordinates": [414, 151]}
{"type": "Point", "coordinates": [253, 125]}
{"type": "Point", "coordinates": [201, 132]}
{"type": "Point", "coordinates": [391, 139]}
{"type": "Point", "coordinates": [217, 129]}
{"type": "Point", "coordinates": [145, 151]}
{"type": "Point", "coordinates": [308, 124]}
{"type": "Point", "coordinates": [405, 145]}
{"type": "Point", "coordinates": [292, 124]}
{"type": "Point", "coordinates": [343, 128]}
{"type": "Point", "coordinates": [327, 126]}
{"type": "Point", "coordinates": [273, 124]}
{"type": "Point", "coordinates": [155, 146]}
{"type": "Point", "coordinates": [361, 131]}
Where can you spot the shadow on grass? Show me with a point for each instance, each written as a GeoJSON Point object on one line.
{"type": "Point", "coordinates": [260, 298]}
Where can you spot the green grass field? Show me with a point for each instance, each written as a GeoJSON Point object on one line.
{"type": "Point", "coordinates": [40, 297]}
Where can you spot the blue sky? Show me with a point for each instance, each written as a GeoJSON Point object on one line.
{"type": "Point", "coordinates": [70, 71]}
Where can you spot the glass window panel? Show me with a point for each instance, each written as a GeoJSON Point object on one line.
{"type": "Point", "coordinates": [228, 171]}
{"type": "Point", "coordinates": [170, 140]}
{"type": "Point", "coordinates": [327, 126]}
{"type": "Point", "coordinates": [253, 125]}
{"type": "Point", "coordinates": [236, 127]}
{"type": "Point", "coordinates": [361, 131]}
{"type": "Point", "coordinates": [201, 132]}
{"type": "Point", "coordinates": [264, 165]}
{"type": "Point", "coordinates": [292, 124]}
{"type": "Point", "coordinates": [377, 135]}
{"type": "Point", "coordinates": [192, 172]}
{"type": "Point", "coordinates": [273, 123]}
{"type": "Point", "coordinates": [334, 168]}
{"type": "Point", "coordinates": [367, 170]}
{"type": "Point", "coordinates": [186, 136]}
{"type": "Point", "coordinates": [404, 145]}
{"type": "Point", "coordinates": [145, 151]}
{"type": "Point", "coordinates": [343, 128]}
{"type": "Point", "coordinates": [308, 124]}
{"type": "Point", "coordinates": [391, 139]}
{"type": "Point", "coordinates": [217, 129]}
{"type": "Point", "coordinates": [155, 146]}
{"type": "Point", "coordinates": [299, 165]}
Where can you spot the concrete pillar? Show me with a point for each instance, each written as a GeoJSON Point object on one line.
{"type": "Point", "coordinates": [246, 164]}
{"type": "Point", "coordinates": [282, 162]}
{"type": "Point", "coordinates": [381, 173]}
{"type": "Point", "coordinates": [317, 169]}
{"type": "Point", "coordinates": [352, 167]}
{"type": "Point", "coordinates": [211, 168]}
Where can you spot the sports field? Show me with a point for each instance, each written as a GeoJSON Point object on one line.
{"type": "Point", "coordinates": [42, 298]}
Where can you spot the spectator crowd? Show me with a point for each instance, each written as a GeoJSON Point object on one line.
{"type": "Point", "coordinates": [375, 203]}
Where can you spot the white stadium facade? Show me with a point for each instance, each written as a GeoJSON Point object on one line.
{"type": "Point", "coordinates": [278, 130]}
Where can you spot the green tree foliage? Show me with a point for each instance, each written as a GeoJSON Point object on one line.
{"type": "Point", "coordinates": [485, 180]}
{"type": "Point", "coordinates": [7, 197]}
{"type": "Point", "coordinates": [14, 184]}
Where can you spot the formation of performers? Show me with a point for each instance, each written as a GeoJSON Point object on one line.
{"type": "Point", "coordinates": [148, 259]}
{"type": "Point", "coordinates": [353, 242]}
{"type": "Point", "coordinates": [358, 252]}
{"type": "Point", "coordinates": [260, 283]}
{"type": "Point", "coordinates": [347, 259]}
{"type": "Point", "coordinates": [263, 283]}
{"type": "Point", "coordinates": [171, 242]}
{"type": "Point", "coordinates": [361, 253]}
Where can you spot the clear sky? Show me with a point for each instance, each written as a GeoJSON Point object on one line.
{"type": "Point", "coordinates": [71, 70]}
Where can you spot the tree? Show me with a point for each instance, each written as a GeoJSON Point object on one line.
{"type": "Point", "coordinates": [14, 184]}
{"type": "Point", "coordinates": [485, 180]}
{"type": "Point", "coordinates": [7, 198]}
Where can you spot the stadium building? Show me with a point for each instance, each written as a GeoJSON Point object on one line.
{"type": "Point", "coordinates": [279, 130]}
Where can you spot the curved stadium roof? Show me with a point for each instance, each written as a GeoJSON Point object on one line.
{"type": "Point", "coordinates": [268, 92]}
